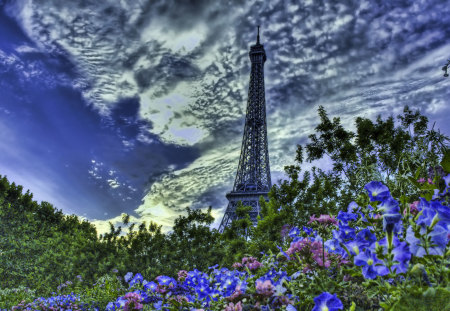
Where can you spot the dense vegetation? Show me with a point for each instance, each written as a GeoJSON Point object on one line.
{"type": "Point", "coordinates": [44, 251]}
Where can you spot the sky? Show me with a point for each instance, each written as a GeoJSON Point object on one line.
{"type": "Point", "coordinates": [138, 107]}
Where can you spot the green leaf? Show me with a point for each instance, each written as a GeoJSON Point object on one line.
{"type": "Point", "coordinates": [352, 307]}
{"type": "Point", "coordinates": [445, 163]}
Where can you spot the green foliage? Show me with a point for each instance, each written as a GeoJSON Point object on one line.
{"type": "Point", "coordinates": [11, 296]}
{"type": "Point", "coordinates": [377, 150]}
{"type": "Point", "coordinates": [429, 299]}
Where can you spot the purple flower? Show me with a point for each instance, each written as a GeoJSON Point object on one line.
{"type": "Point", "coordinates": [377, 191]}
{"type": "Point", "coordinates": [327, 302]}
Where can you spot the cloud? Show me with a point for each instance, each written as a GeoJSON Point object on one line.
{"type": "Point", "coordinates": [176, 74]}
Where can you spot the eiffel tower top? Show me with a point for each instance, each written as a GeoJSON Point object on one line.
{"type": "Point", "coordinates": [257, 50]}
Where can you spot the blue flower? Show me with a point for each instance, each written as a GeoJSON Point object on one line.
{"type": "Point", "coordinates": [150, 286]}
{"type": "Point", "coordinates": [307, 230]}
{"type": "Point", "coordinates": [377, 191]}
{"type": "Point", "coordinates": [345, 233]}
{"type": "Point", "coordinates": [438, 239]}
{"type": "Point", "coordinates": [138, 278]}
{"type": "Point", "coordinates": [166, 280]}
{"type": "Point", "coordinates": [128, 276]}
{"type": "Point", "coordinates": [352, 207]}
{"type": "Point", "coordinates": [365, 237]}
{"type": "Point", "coordinates": [333, 246]}
{"type": "Point", "coordinates": [389, 206]}
{"type": "Point", "coordinates": [401, 253]}
{"type": "Point", "coordinates": [294, 232]}
{"type": "Point", "coordinates": [346, 217]}
{"type": "Point", "coordinates": [443, 211]}
{"type": "Point", "coordinates": [372, 266]}
{"type": "Point", "coordinates": [202, 290]}
{"type": "Point", "coordinates": [389, 221]}
{"type": "Point", "coordinates": [327, 302]}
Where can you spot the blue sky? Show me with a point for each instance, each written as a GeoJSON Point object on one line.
{"type": "Point", "coordinates": [138, 106]}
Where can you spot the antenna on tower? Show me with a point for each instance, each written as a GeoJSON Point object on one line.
{"type": "Point", "coordinates": [257, 38]}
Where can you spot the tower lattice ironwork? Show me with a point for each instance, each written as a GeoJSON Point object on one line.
{"type": "Point", "coordinates": [253, 174]}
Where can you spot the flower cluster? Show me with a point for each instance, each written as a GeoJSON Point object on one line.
{"type": "Point", "coordinates": [250, 262]}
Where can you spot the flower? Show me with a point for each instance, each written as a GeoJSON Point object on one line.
{"type": "Point", "coordinates": [265, 288]}
{"type": "Point", "coordinates": [294, 232]}
{"type": "Point", "coordinates": [323, 219]}
{"type": "Point", "coordinates": [372, 266]}
{"type": "Point", "coordinates": [345, 217]}
{"type": "Point", "coordinates": [138, 278]}
{"type": "Point", "coordinates": [438, 239]}
{"type": "Point", "coordinates": [413, 210]}
{"type": "Point", "coordinates": [150, 286]}
{"type": "Point", "coordinates": [128, 276]}
{"type": "Point", "coordinates": [234, 307]}
{"type": "Point", "coordinates": [327, 302]}
{"type": "Point", "coordinates": [377, 191]}
{"type": "Point", "coordinates": [182, 275]}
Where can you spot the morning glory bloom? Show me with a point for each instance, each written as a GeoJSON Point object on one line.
{"type": "Point", "coordinates": [345, 233]}
{"type": "Point", "coordinates": [138, 278]}
{"type": "Point", "coordinates": [150, 286]}
{"type": "Point", "coordinates": [128, 276]}
{"type": "Point", "coordinates": [294, 232]}
{"type": "Point", "coordinates": [166, 280]}
{"type": "Point", "coordinates": [307, 230]}
{"type": "Point", "coordinates": [377, 191]}
{"type": "Point", "coordinates": [390, 221]}
{"type": "Point", "coordinates": [352, 207]}
{"type": "Point", "coordinates": [345, 217]}
{"type": "Point", "coordinates": [333, 246]}
{"type": "Point", "coordinates": [401, 254]}
{"type": "Point", "coordinates": [365, 237]}
{"type": "Point", "coordinates": [438, 237]}
{"type": "Point", "coordinates": [443, 211]}
{"type": "Point", "coordinates": [389, 206]}
{"type": "Point", "coordinates": [372, 266]}
{"type": "Point", "coordinates": [327, 302]}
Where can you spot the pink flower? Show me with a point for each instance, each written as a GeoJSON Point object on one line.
{"type": "Point", "coordinates": [324, 219]}
{"type": "Point", "coordinates": [133, 302]}
{"type": "Point", "coordinates": [237, 265]}
{"type": "Point", "coordinates": [234, 307]}
{"type": "Point", "coordinates": [421, 180]}
{"type": "Point", "coordinates": [413, 208]}
{"type": "Point", "coordinates": [182, 275]}
{"type": "Point", "coordinates": [265, 288]}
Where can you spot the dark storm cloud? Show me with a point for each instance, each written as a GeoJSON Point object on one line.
{"type": "Point", "coordinates": [168, 73]}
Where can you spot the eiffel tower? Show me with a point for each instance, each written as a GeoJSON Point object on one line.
{"type": "Point", "coordinates": [253, 174]}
